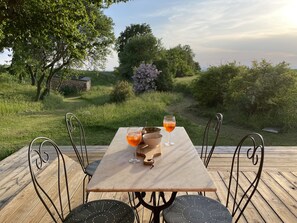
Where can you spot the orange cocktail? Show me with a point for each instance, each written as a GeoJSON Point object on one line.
{"type": "Point", "coordinates": [133, 138]}
{"type": "Point", "coordinates": [169, 126]}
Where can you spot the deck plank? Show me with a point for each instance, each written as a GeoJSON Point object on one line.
{"type": "Point", "coordinates": [275, 200]}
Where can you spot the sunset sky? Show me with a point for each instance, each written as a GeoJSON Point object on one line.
{"type": "Point", "coordinates": [218, 31]}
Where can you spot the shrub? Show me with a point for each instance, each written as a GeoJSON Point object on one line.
{"type": "Point", "coordinates": [53, 101]}
{"type": "Point", "coordinates": [164, 81]}
{"type": "Point", "coordinates": [211, 87]}
{"type": "Point", "coordinates": [7, 78]}
{"type": "Point", "coordinates": [265, 89]}
{"type": "Point", "coordinates": [145, 78]}
{"type": "Point", "coordinates": [121, 92]}
{"type": "Point", "coordinates": [69, 90]}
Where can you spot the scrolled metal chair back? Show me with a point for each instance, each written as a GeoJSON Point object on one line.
{"type": "Point", "coordinates": [248, 154]}
{"type": "Point", "coordinates": [77, 137]}
{"type": "Point", "coordinates": [52, 193]}
{"type": "Point", "coordinates": [214, 125]}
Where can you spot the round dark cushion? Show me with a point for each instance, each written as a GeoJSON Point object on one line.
{"type": "Point", "coordinates": [196, 209]}
{"type": "Point", "coordinates": [103, 211]}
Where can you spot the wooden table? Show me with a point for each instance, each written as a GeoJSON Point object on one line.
{"type": "Point", "coordinates": [178, 169]}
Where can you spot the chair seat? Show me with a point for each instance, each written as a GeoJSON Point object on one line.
{"type": "Point", "coordinates": [111, 211]}
{"type": "Point", "coordinates": [196, 209]}
{"type": "Point", "coordinates": [90, 169]}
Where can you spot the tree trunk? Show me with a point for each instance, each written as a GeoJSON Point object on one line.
{"type": "Point", "coordinates": [48, 84]}
{"type": "Point", "coordinates": [47, 90]}
{"type": "Point", "coordinates": [32, 75]}
{"type": "Point", "coordinates": [38, 93]}
{"type": "Point", "coordinates": [39, 87]}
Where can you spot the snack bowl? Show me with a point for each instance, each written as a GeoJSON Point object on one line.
{"type": "Point", "coordinates": [150, 130]}
{"type": "Point", "coordinates": [152, 139]}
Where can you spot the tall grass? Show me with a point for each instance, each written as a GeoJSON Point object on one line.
{"type": "Point", "coordinates": [148, 108]}
{"type": "Point", "coordinates": [102, 121]}
{"type": "Point", "coordinates": [22, 119]}
{"type": "Point", "coordinates": [16, 98]}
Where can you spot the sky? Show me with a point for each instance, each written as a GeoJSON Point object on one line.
{"type": "Point", "coordinates": [218, 31]}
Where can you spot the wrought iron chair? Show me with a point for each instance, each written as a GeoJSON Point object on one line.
{"type": "Point", "coordinates": [214, 125]}
{"type": "Point", "coordinates": [56, 197]}
{"type": "Point", "coordinates": [77, 137]}
{"type": "Point", "coordinates": [197, 208]}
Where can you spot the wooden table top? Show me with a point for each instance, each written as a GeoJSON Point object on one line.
{"type": "Point", "coordinates": [179, 168]}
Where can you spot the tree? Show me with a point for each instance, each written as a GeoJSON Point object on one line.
{"type": "Point", "coordinates": [164, 81]}
{"type": "Point", "coordinates": [182, 61]}
{"type": "Point", "coordinates": [262, 89]}
{"type": "Point", "coordinates": [211, 87]}
{"type": "Point", "coordinates": [129, 32]}
{"type": "Point", "coordinates": [139, 49]}
{"type": "Point", "coordinates": [47, 36]}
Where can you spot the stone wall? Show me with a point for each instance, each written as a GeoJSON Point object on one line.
{"type": "Point", "coordinates": [81, 84]}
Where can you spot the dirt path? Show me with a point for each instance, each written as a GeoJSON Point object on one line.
{"type": "Point", "coordinates": [186, 109]}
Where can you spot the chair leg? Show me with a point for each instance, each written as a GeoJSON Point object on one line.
{"type": "Point", "coordinates": [85, 194]}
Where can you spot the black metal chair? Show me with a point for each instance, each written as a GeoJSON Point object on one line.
{"type": "Point", "coordinates": [198, 209]}
{"type": "Point", "coordinates": [213, 125]}
{"type": "Point", "coordinates": [77, 137]}
{"type": "Point", "coordinates": [55, 196]}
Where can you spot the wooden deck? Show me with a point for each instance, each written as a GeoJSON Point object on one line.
{"type": "Point", "coordinates": [275, 201]}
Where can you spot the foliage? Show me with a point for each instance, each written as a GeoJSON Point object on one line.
{"type": "Point", "coordinates": [164, 81]}
{"type": "Point", "coordinates": [15, 98]}
{"type": "Point", "coordinates": [7, 78]}
{"type": "Point", "coordinates": [148, 108]}
{"type": "Point", "coordinates": [27, 120]}
{"type": "Point", "coordinates": [47, 36]}
{"type": "Point", "coordinates": [181, 61]}
{"type": "Point", "coordinates": [53, 101]}
{"type": "Point", "coordinates": [67, 90]}
{"type": "Point", "coordinates": [121, 92]}
{"type": "Point", "coordinates": [184, 85]}
{"type": "Point", "coordinates": [129, 32]}
{"type": "Point", "coordinates": [211, 87]}
{"type": "Point", "coordinates": [102, 85]}
{"type": "Point", "coordinates": [139, 49]}
{"type": "Point", "coordinates": [145, 78]}
{"type": "Point", "coordinates": [263, 95]}
{"type": "Point", "coordinates": [266, 91]}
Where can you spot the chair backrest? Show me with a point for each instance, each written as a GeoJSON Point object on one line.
{"type": "Point", "coordinates": [52, 187]}
{"type": "Point", "coordinates": [213, 125]}
{"type": "Point", "coordinates": [248, 155]}
{"type": "Point", "coordinates": [77, 138]}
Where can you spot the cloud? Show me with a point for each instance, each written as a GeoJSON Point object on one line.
{"type": "Point", "coordinates": [230, 30]}
{"type": "Point", "coordinates": [220, 30]}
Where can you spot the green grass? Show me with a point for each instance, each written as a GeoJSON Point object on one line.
{"type": "Point", "coordinates": [22, 119]}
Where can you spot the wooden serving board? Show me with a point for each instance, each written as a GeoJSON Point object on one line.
{"type": "Point", "coordinates": [148, 153]}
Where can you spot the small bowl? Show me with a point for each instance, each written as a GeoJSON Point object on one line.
{"type": "Point", "coordinates": [152, 139]}
{"type": "Point", "coordinates": [150, 130]}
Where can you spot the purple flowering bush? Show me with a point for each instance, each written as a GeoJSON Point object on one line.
{"type": "Point", "coordinates": [144, 78]}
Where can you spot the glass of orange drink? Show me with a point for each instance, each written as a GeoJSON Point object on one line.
{"type": "Point", "coordinates": [134, 137]}
{"type": "Point", "coordinates": [169, 124]}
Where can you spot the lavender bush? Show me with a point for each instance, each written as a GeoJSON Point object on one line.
{"type": "Point", "coordinates": [144, 78]}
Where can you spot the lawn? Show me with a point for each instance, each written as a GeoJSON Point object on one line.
{"type": "Point", "coordinates": [22, 119]}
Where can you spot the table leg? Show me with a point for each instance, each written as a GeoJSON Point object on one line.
{"type": "Point", "coordinates": [156, 209]}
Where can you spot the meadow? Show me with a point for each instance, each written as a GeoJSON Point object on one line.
{"type": "Point", "coordinates": [22, 119]}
